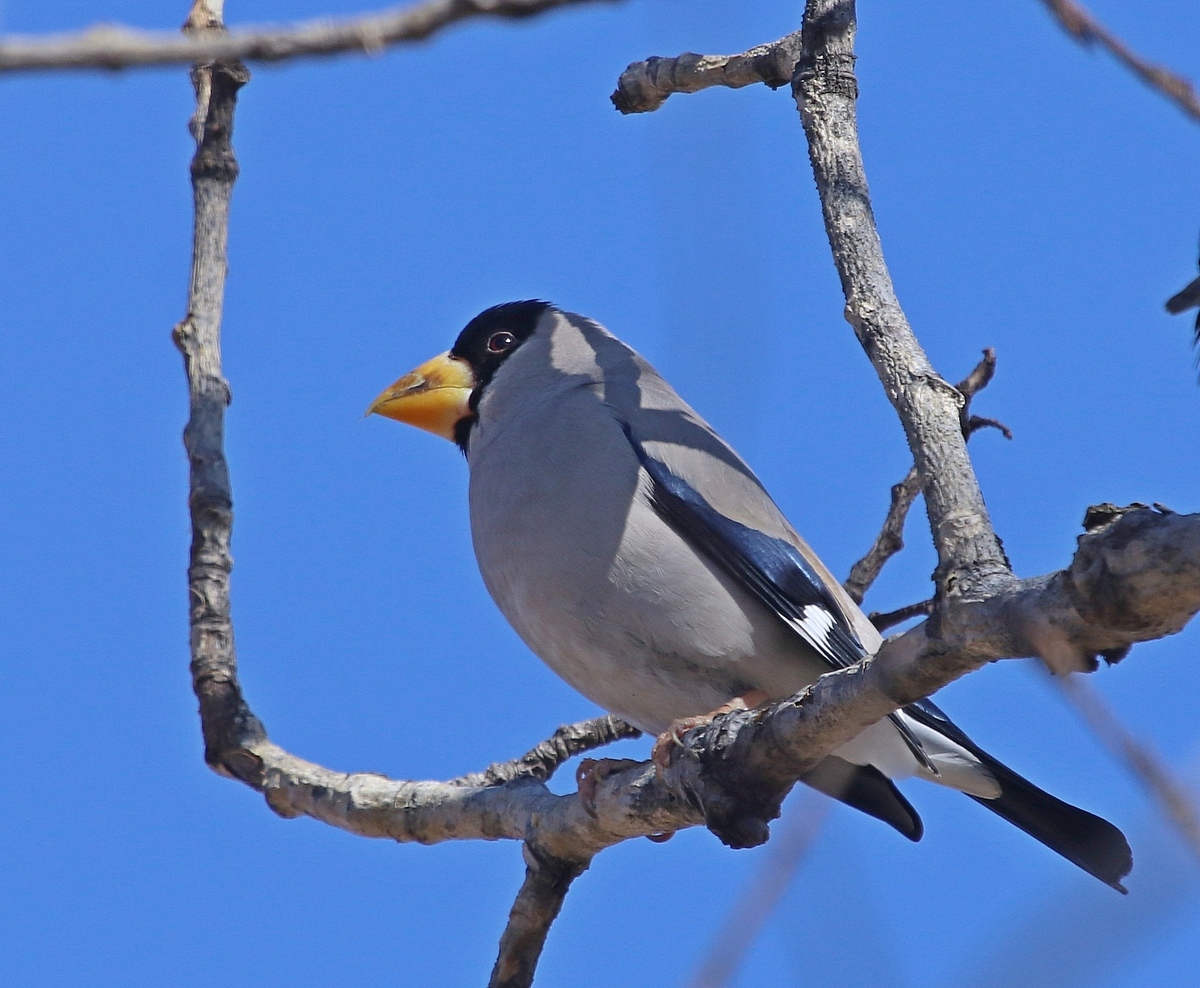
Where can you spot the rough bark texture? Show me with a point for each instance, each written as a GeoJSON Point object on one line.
{"type": "Point", "coordinates": [228, 723]}
{"type": "Point", "coordinates": [1135, 576]}
{"type": "Point", "coordinates": [904, 494]}
{"type": "Point", "coordinates": [645, 86]}
{"type": "Point", "coordinates": [536, 908]}
{"type": "Point", "coordinates": [114, 47]}
{"type": "Point", "coordinates": [971, 563]}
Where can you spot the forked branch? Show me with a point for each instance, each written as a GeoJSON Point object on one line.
{"type": "Point", "coordinates": [891, 537]}
{"type": "Point", "coordinates": [1135, 577]}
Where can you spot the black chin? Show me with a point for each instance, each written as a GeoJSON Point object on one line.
{"type": "Point", "coordinates": [462, 432]}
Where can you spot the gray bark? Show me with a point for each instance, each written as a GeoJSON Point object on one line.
{"type": "Point", "coordinates": [1135, 576]}
{"type": "Point", "coordinates": [645, 86]}
{"type": "Point", "coordinates": [115, 47]}
{"type": "Point", "coordinates": [971, 563]}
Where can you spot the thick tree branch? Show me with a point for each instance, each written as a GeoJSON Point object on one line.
{"type": "Point", "coordinates": [116, 47]}
{"type": "Point", "coordinates": [645, 86]}
{"type": "Point", "coordinates": [1135, 578]}
{"type": "Point", "coordinates": [1078, 22]}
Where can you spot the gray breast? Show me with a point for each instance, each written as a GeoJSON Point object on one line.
{"type": "Point", "coordinates": [589, 575]}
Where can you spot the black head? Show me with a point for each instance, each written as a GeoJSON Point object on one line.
{"type": "Point", "coordinates": [490, 339]}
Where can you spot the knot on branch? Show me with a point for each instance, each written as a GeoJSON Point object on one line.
{"type": "Point", "coordinates": [1137, 570]}
{"type": "Point", "coordinates": [217, 85]}
{"type": "Point", "coordinates": [734, 771]}
{"type": "Point", "coordinates": [230, 730]}
{"type": "Point", "coordinates": [645, 86]}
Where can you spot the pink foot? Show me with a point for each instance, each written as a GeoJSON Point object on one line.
{"type": "Point", "coordinates": [593, 771]}
{"type": "Point", "coordinates": [672, 737]}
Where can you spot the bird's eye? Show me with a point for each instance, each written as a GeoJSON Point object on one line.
{"type": "Point", "coordinates": [499, 342]}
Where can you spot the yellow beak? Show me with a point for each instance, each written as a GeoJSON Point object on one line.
{"type": "Point", "coordinates": [433, 397]}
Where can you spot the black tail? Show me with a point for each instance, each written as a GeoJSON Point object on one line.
{"type": "Point", "coordinates": [866, 788]}
{"type": "Point", "coordinates": [1083, 838]}
{"type": "Point", "coordinates": [1095, 845]}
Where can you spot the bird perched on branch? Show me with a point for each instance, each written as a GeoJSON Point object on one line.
{"type": "Point", "coordinates": [641, 559]}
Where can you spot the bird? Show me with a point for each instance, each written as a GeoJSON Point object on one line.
{"type": "Point", "coordinates": [636, 553]}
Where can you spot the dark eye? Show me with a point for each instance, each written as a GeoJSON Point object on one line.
{"type": "Point", "coordinates": [499, 342]}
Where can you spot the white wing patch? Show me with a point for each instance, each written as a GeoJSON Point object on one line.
{"type": "Point", "coordinates": [814, 626]}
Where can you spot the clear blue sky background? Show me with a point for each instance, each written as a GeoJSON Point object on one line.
{"type": "Point", "coordinates": [1032, 197]}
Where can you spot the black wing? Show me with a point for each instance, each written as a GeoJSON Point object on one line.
{"type": "Point", "coordinates": [770, 568]}
{"type": "Point", "coordinates": [784, 581]}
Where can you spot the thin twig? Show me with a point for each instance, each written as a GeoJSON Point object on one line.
{"type": "Point", "coordinates": [544, 759]}
{"type": "Point", "coordinates": [645, 86]}
{"type": "Point", "coordinates": [888, 542]}
{"type": "Point", "coordinates": [119, 47]}
{"type": "Point", "coordinates": [1172, 796]}
{"type": "Point", "coordinates": [890, 539]}
{"type": "Point", "coordinates": [1078, 22]}
{"type": "Point", "coordinates": [889, 619]}
{"type": "Point", "coordinates": [1187, 298]}
{"type": "Point", "coordinates": [763, 893]}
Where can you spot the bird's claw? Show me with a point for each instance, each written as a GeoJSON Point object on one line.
{"type": "Point", "coordinates": [593, 771]}
{"type": "Point", "coordinates": [672, 737]}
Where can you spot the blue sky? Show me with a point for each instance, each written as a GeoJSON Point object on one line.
{"type": "Point", "coordinates": [1032, 197]}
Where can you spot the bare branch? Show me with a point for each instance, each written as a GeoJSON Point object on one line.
{"type": "Point", "coordinates": [544, 759]}
{"type": "Point", "coordinates": [1133, 579]}
{"type": "Point", "coordinates": [970, 560]}
{"type": "Point", "coordinates": [1078, 22]}
{"type": "Point", "coordinates": [1187, 298]}
{"type": "Point", "coordinates": [889, 619]}
{"type": "Point", "coordinates": [1136, 577]}
{"type": "Point", "coordinates": [645, 86]}
{"type": "Point", "coordinates": [888, 542]}
{"type": "Point", "coordinates": [538, 904]}
{"type": "Point", "coordinates": [890, 539]}
{"type": "Point", "coordinates": [1146, 765]}
{"type": "Point", "coordinates": [227, 721]}
{"type": "Point", "coordinates": [117, 47]}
